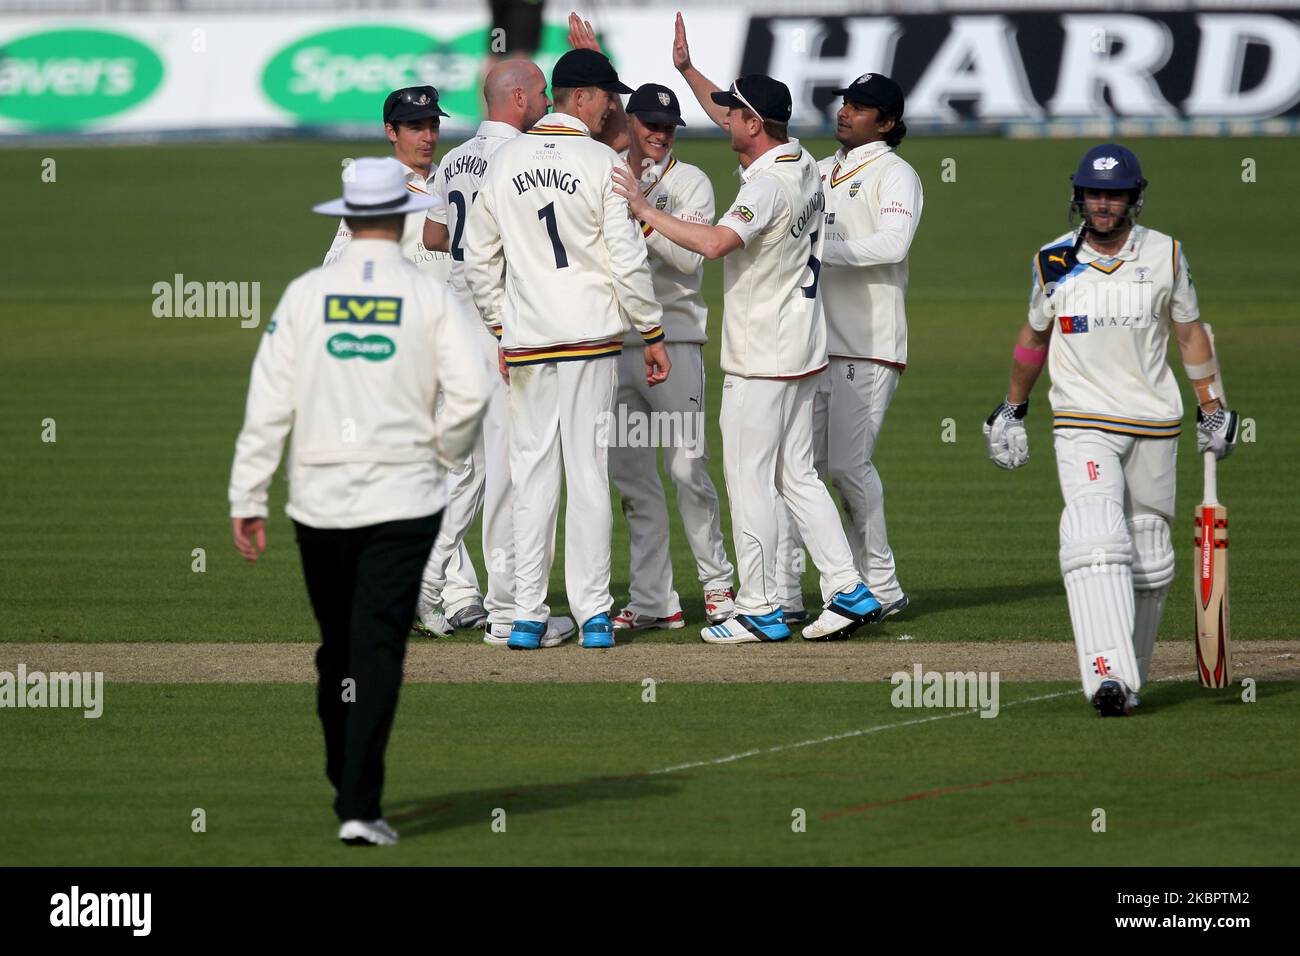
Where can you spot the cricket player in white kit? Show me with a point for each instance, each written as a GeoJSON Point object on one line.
{"type": "Point", "coordinates": [552, 257]}
{"type": "Point", "coordinates": [515, 94]}
{"type": "Point", "coordinates": [1103, 297]}
{"type": "Point", "coordinates": [412, 119]}
{"type": "Point", "coordinates": [873, 206]}
{"type": "Point", "coordinates": [684, 191]}
{"type": "Point", "coordinates": [773, 347]}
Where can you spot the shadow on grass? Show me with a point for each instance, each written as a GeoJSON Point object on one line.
{"type": "Point", "coordinates": [448, 811]}
{"type": "Point", "coordinates": [1168, 695]}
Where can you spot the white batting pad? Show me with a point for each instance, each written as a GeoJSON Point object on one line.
{"type": "Point", "coordinates": [1097, 563]}
{"type": "Point", "coordinates": [1153, 571]}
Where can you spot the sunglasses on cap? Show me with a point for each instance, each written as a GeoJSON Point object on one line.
{"type": "Point", "coordinates": [735, 91]}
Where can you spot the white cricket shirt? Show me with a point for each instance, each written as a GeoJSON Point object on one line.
{"type": "Point", "coordinates": [683, 191]}
{"type": "Point", "coordinates": [772, 325]}
{"type": "Point", "coordinates": [456, 184]}
{"type": "Point", "coordinates": [873, 206]}
{"type": "Point", "coordinates": [1109, 318]}
{"type": "Point", "coordinates": [550, 251]}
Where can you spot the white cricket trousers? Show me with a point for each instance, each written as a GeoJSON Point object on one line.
{"type": "Point", "coordinates": [1117, 557]}
{"type": "Point", "coordinates": [767, 456]}
{"type": "Point", "coordinates": [848, 413]}
{"type": "Point", "coordinates": [555, 432]}
{"type": "Point", "coordinates": [481, 481]}
{"type": "Point", "coordinates": [673, 411]}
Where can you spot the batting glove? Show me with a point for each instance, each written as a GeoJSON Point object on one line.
{"type": "Point", "coordinates": [1005, 436]}
{"type": "Point", "coordinates": [1216, 432]}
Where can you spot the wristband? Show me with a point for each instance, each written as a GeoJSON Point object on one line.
{"type": "Point", "coordinates": [1207, 392]}
{"type": "Point", "coordinates": [1029, 356]}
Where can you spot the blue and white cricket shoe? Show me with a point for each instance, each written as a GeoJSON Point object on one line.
{"type": "Point", "coordinates": [846, 612]}
{"type": "Point", "coordinates": [558, 630]}
{"type": "Point", "coordinates": [526, 635]}
{"type": "Point", "coordinates": [598, 631]}
{"type": "Point", "coordinates": [748, 629]}
{"type": "Point", "coordinates": [892, 608]}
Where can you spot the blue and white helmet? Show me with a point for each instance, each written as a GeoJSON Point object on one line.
{"type": "Point", "coordinates": [1109, 166]}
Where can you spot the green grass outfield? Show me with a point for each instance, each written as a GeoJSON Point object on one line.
{"type": "Point", "coordinates": [99, 527]}
{"type": "Point", "coordinates": [570, 765]}
{"type": "Point", "coordinates": [98, 530]}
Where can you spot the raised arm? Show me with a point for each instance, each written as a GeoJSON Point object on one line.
{"type": "Point", "coordinates": [700, 84]}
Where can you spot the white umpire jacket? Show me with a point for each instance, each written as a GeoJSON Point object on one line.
{"type": "Point", "coordinates": [352, 361]}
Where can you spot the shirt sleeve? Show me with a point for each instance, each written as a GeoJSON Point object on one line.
{"type": "Point", "coordinates": [485, 261]}
{"type": "Point", "coordinates": [756, 205]}
{"type": "Point", "coordinates": [268, 415]}
{"type": "Point", "coordinates": [341, 240]}
{"type": "Point", "coordinates": [438, 211]}
{"type": "Point", "coordinates": [899, 214]}
{"type": "Point", "coordinates": [1183, 306]}
{"type": "Point", "coordinates": [1040, 317]}
{"type": "Point", "coordinates": [460, 380]}
{"type": "Point", "coordinates": [629, 266]}
{"type": "Point", "coordinates": [695, 204]}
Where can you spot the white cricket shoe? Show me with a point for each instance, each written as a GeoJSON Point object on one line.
{"type": "Point", "coordinates": [747, 629]}
{"type": "Point", "coordinates": [368, 833]}
{"type": "Point", "coordinates": [844, 614]}
{"type": "Point", "coordinates": [719, 604]}
{"type": "Point", "coordinates": [558, 630]}
{"type": "Point", "coordinates": [430, 621]}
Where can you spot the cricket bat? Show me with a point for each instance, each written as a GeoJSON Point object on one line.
{"type": "Point", "coordinates": [1213, 630]}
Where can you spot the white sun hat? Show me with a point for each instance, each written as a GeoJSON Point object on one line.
{"type": "Point", "coordinates": [376, 187]}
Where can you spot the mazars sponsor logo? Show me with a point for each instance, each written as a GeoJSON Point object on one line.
{"type": "Point", "coordinates": [75, 909]}
{"type": "Point", "coordinates": [79, 690]}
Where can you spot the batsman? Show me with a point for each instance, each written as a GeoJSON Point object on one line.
{"type": "Point", "coordinates": [1103, 299]}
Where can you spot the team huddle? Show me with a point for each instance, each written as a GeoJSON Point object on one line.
{"type": "Point", "coordinates": [552, 294]}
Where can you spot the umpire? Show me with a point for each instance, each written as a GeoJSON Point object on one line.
{"type": "Point", "coordinates": [352, 361]}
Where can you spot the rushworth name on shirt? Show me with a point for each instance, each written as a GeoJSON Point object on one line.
{"type": "Point", "coordinates": [475, 166]}
{"type": "Point", "coordinates": [565, 182]}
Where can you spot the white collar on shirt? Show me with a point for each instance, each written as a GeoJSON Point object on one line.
{"type": "Point", "coordinates": [563, 119]}
{"type": "Point", "coordinates": [496, 129]}
{"type": "Point", "coordinates": [860, 154]}
{"type": "Point", "coordinates": [1129, 252]}
{"type": "Point", "coordinates": [792, 148]}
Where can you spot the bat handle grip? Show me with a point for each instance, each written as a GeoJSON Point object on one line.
{"type": "Point", "coordinates": [1211, 479]}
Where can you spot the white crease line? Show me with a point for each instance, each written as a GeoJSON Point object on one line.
{"type": "Point", "coordinates": [844, 736]}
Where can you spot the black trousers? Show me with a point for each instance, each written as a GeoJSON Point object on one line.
{"type": "Point", "coordinates": [363, 584]}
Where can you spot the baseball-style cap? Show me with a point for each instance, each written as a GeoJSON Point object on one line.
{"type": "Point", "coordinates": [878, 90]}
{"type": "Point", "coordinates": [579, 68]}
{"type": "Point", "coordinates": [412, 103]}
{"type": "Point", "coordinates": [760, 94]}
{"type": "Point", "coordinates": [375, 187]}
{"type": "Point", "coordinates": [652, 103]}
